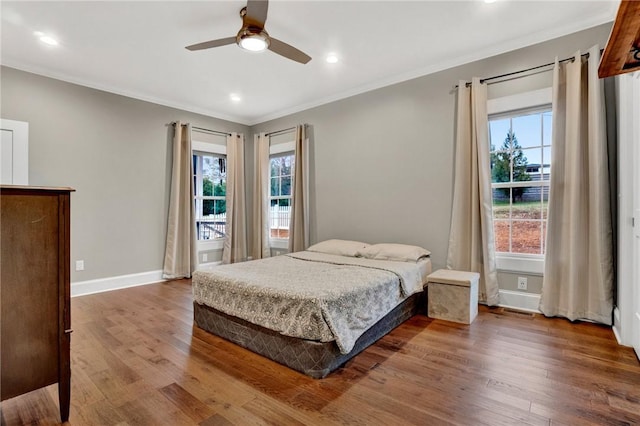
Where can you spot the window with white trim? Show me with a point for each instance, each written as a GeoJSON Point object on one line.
{"type": "Point", "coordinates": [281, 167]}
{"type": "Point", "coordinates": [210, 186]}
{"type": "Point", "coordinates": [520, 145]}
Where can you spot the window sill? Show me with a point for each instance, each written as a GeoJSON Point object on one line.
{"type": "Point", "coordinates": [520, 263]}
{"type": "Point", "coordinates": [208, 245]}
{"type": "Point", "coordinates": [279, 243]}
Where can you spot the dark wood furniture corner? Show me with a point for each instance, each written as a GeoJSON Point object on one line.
{"type": "Point", "coordinates": [622, 53]}
{"type": "Point", "coordinates": [34, 291]}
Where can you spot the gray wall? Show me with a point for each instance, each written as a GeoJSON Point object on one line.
{"type": "Point", "coordinates": [382, 160]}
{"type": "Point", "coordinates": [115, 151]}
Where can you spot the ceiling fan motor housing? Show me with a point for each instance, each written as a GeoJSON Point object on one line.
{"type": "Point", "coordinates": [252, 38]}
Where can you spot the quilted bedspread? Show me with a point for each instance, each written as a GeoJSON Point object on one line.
{"type": "Point", "coordinates": [309, 295]}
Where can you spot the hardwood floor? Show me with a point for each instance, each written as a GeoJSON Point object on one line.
{"type": "Point", "coordinates": [138, 360]}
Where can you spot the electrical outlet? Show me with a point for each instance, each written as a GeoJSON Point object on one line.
{"type": "Point", "coordinates": [522, 283]}
{"type": "Point", "coordinates": [205, 257]}
{"type": "Point", "coordinates": [79, 265]}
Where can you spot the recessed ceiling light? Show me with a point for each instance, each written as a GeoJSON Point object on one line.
{"type": "Point", "coordinates": [332, 58]}
{"type": "Point", "coordinates": [46, 38]}
{"type": "Point", "coordinates": [235, 97]}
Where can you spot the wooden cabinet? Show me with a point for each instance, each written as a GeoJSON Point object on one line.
{"type": "Point", "coordinates": [622, 53]}
{"type": "Point", "coordinates": [34, 291]}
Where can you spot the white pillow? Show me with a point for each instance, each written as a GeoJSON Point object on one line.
{"type": "Point", "coordinates": [397, 252]}
{"type": "Point", "coordinates": [339, 247]}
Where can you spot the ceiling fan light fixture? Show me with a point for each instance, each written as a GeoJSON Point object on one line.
{"type": "Point", "coordinates": [254, 41]}
{"type": "Point", "coordinates": [253, 37]}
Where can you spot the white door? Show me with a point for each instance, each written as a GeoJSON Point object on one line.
{"type": "Point", "coordinates": [14, 152]}
{"type": "Point", "coordinates": [636, 214]}
{"type": "Point", "coordinates": [636, 269]}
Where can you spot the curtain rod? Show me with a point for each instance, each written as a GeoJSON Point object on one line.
{"type": "Point", "coordinates": [200, 129]}
{"type": "Point", "coordinates": [495, 77]}
{"type": "Point", "coordinates": [214, 132]}
{"type": "Point", "coordinates": [280, 131]}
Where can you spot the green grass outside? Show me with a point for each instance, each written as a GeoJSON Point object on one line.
{"type": "Point", "coordinates": [520, 209]}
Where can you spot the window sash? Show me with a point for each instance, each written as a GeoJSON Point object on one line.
{"type": "Point", "coordinates": [538, 222]}
{"type": "Point", "coordinates": [279, 223]}
{"type": "Point", "coordinates": [206, 229]}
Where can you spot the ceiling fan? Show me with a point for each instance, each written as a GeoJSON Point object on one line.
{"type": "Point", "coordinates": [252, 36]}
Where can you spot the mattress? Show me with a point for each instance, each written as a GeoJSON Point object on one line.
{"type": "Point", "coordinates": [312, 296]}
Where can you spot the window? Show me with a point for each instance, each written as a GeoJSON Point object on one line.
{"type": "Point", "coordinates": [520, 144]}
{"type": "Point", "coordinates": [282, 167]}
{"type": "Point", "coordinates": [210, 187]}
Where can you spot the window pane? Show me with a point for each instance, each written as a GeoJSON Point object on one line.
{"type": "Point", "coordinates": [501, 204]}
{"type": "Point", "coordinates": [274, 166]}
{"type": "Point", "coordinates": [500, 167]}
{"type": "Point", "coordinates": [546, 127]}
{"type": "Point", "coordinates": [285, 186]}
{"type": "Point", "coordinates": [526, 203]}
{"type": "Point", "coordinates": [498, 130]}
{"type": "Point", "coordinates": [220, 189]}
{"type": "Point", "coordinates": [534, 162]}
{"type": "Point", "coordinates": [275, 186]}
{"type": "Point", "coordinates": [527, 237]}
{"type": "Point", "coordinates": [279, 217]}
{"type": "Point", "coordinates": [546, 160]}
{"type": "Point", "coordinates": [220, 207]}
{"type": "Point", "coordinates": [501, 229]}
{"type": "Point", "coordinates": [286, 166]}
{"type": "Point", "coordinates": [207, 187]}
{"type": "Point", "coordinates": [527, 130]}
{"type": "Point", "coordinates": [208, 207]}
{"type": "Point", "coordinates": [519, 166]}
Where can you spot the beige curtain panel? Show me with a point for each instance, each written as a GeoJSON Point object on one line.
{"type": "Point", "coordinates": [471, 238]}
{"type": "Point", "coordinates": [578, 273]}
{"type": "Point", "coordinates": [180, 258]}
{"type": "Point", "coordinates": [260, 245]}
{"type": "Point", "coordinates": [299, 225]}
{"type": "Point", "coordinates": [235, 242]}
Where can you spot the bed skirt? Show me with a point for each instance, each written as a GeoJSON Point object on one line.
{"type": "Point", "coordinates": [315, 359]}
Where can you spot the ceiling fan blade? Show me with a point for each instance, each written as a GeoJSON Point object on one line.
{"type": "Point", "coordinates": [256, 14]}
{"type": "Point", "coordinates": [288, 51]}
{"type": "Point", "coordinates": [212, 43]}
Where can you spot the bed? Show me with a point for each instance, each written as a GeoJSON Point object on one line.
{"type": "Point", "coordinates": [313, 310]}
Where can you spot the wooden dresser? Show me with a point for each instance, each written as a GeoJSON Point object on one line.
{"type": "Point", "coordinates": [34, 291]}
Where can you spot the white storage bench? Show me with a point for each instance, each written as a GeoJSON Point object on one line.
{"type": "Point", "coordinates": [453, 295]}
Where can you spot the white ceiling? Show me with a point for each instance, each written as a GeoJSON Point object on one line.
{"type": "Point", "coordinates": [138, 48]}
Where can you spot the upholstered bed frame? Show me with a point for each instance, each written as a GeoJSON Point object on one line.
{"type": "Point", "coordinates": [315, 359]}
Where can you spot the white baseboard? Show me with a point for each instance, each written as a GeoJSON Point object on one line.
{"type": "Point", "coordinates": [616, 325]}
{"type": "Point", "coordinates": [82, 288]}
{"type": "Point", "coordinates": [518, 300]}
